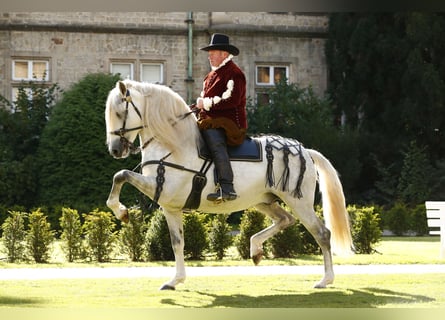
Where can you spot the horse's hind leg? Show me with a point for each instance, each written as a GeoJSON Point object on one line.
{"type": "Point", "coordinates": [281, 220]}
{"type": "Point", "coordinates": [322, 235]}
{"type": "Point", "coordinates": [175, 227]}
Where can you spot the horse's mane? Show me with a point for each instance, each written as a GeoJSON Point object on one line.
{"type": "Point", "coordinates": [164, 112]}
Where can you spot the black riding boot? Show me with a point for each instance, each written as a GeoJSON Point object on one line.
{"type": "Point", "coordinates": [216, 142]}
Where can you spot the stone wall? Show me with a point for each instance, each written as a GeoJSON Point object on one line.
{"type": "Point", "coordinates": [78, 43]}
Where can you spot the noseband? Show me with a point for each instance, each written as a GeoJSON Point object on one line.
{"type": "Point", "coordinates": [122, 131]}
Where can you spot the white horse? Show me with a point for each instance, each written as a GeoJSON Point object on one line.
{"type": "Point", "coordinates": [169, 139]}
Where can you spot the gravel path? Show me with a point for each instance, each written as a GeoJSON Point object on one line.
{"type": "Point", "coordinates": [167, 272]}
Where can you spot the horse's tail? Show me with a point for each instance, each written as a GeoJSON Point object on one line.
{"type": "Point", "coordinates": [334, 208]}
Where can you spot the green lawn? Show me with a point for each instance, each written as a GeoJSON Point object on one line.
{"type": "Point", "coordinates": [294, 291]}
{"type": "Point", "coordinates": [275, 291]}
{"type": "Point", "coordinates": [391, 250]}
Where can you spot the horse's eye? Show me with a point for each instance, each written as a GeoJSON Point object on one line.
{"type": "Point", "coordinates": [118, 115]}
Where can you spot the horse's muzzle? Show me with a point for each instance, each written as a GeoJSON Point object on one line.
{"type": "Point", "coordinates": [118, 149]}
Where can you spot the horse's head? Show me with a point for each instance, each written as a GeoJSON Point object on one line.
{"type": "Point", "coordinates": [123, 119]}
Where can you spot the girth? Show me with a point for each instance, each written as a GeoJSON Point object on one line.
{"type": "Point", "coordinates": [198, 183]}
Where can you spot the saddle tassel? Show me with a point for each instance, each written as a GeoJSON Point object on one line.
{"type": "Point", "coordinates": [269, 173]}
{"type": "Point", "coordinates": [286, 171]}
{"type": "Point", "coordinates": [297, 191]}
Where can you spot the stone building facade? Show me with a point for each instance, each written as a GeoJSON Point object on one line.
{"type": "Point", "coordinates": [62, 47]}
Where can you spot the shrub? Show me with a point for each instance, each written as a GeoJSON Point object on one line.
{"type": "Point", "coordinates": [365, 228]}
{"type": "Point", "coordinates": [309, 245]}
{"type": "Point", "coordinates": [252, 221]}
{"type": "Point", "coordinates": [132, 235]}
{"type": "Point", "coordinates": [219, 235]}
{"type": "Point", "coordinates": [39, 236]}
{"type": "Point", "coordinates": [14, 235]}
{"type": "Point", "coordinates": [71, 234]}
{"type": "Point", "coordinates": [195, 234]}
{"type": "Point", "coordinates": [5, 212]}
{"type": "Point", "coordinates": [157, 240]}
{"type": "Point", "coordinates": [397, 218]}
{"type": "Point", "coordinates": [287, 243]}
{"type": "Point", "coordinates": [418, 221]}
{"type": "Point", "coordinates": [415, 180]}
{"type": "Point", "coordinates": [100, 235]}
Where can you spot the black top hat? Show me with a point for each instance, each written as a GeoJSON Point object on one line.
{"type": "Point", "coordinates": [220, 41]}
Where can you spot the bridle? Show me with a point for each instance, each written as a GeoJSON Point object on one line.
{"type": "Point", "coordinates": [122, 131]}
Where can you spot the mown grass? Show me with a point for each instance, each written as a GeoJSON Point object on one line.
{"type": "Point", "coordinates": [274, 291]}
{"type": "Point", "coordinates": [391, 250]}
{"type": "Point", "coordinates": [294, 291]}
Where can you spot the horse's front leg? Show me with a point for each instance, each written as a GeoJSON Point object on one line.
{"type": "Point", "coordinates": [175, 226]}
{"type": "Point", "coordinates": [119, 210]}
{"type": "Point", "coordinates": [120, 178]}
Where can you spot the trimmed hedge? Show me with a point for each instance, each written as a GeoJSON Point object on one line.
{"type": "Point", "coordinates": [28, 236]}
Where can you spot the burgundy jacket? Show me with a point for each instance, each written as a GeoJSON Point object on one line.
{"type": "Point", "coordinates": [224, 95]}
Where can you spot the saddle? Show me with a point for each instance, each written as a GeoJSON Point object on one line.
{"type": "Point", "coordinates": [250, 150]}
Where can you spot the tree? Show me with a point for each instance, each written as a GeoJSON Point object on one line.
{"type": "Point", "coordinates": [291, 106]}
{"type": "Point", "coordinates": [20, 133]}
{"type": "Point", "coordinates": [75, 168]}
{"type": "Point", "coordinates": [299, 113]}
{"type": "Point", "coordinates": [387, 80]}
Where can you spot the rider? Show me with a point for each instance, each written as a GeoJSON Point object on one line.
{"type": "Point", "coordinates": [222, 115]}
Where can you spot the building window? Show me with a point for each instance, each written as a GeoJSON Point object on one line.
{"type": "Point", "coordinates": [32, 70]}
{"type": "Point", "coordinates": [125, 69]}
{"type": "Point", "coordinates": [266, 76]}
{"type": "Point", "coordinates": [269, 75]}
{"type": "Point", "coordinates": [26, 71]}
{"type": "Point", "coordinates": [152, 72]}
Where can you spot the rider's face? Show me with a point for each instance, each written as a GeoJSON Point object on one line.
{"type": "Point", "coordinates": [216, 57]}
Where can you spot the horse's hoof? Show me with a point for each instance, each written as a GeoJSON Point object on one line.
{"type": "Point", "coordinates": [125, 218]}
{"type": "Point", "coordinates": [323, 283]}
{"type": "Point", "coordinates": [257, 258]}
{"type": "Point", "coordinates": [167, 287]}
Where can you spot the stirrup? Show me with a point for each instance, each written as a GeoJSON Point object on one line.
{"type": "Point", "coordinates": [220, 196]}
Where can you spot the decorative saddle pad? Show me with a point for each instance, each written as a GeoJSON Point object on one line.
{"type": "Point", "coordinates": [250, 150]}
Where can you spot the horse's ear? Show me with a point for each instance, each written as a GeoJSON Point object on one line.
{"type": "Point", "coordinates": [122, 88]}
